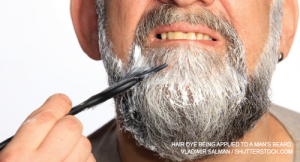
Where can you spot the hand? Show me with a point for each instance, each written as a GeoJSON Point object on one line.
{"type": "Point", "coordinates": [47, 135]}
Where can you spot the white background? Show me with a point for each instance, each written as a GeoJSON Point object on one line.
{"type": "Point", "coordinates": [40, 56]}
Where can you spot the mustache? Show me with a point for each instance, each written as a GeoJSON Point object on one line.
{"type": "Point", "coordinates": [168, 14]}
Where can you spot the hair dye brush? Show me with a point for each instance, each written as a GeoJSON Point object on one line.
{"type": "Point", "coordinates": [128, 81]}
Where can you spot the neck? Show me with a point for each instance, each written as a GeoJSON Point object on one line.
{"type": "Point", "coordinates": [268, 129]}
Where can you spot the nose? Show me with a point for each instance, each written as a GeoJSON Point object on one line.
{"type": "Point", "coordinates": [187, 3]}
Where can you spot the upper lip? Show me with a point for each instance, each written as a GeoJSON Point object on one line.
{"type": "Point", "coordinates": [184, 27]}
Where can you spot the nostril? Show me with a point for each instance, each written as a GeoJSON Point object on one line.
{"type": "Point", "coordinates": [158, 36]}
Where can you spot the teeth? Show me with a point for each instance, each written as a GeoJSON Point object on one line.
{"type": "Point", "coordinates": [199, 36]}
{"type": "Point", "coordinates": [206, 37]}
{"type": "Point", "coordinates": [181, 35]}
{"type": "Point", "coordinates": [191, 36]}
{"type": "Point", "coordinates": [164, 36]}
{"type": "Point", "coordinates": [178, 35]}
{"type": "Point", "coordinates": [170, 35]}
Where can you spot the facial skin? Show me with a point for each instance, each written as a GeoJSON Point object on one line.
{"type": "Point", "coordinates": [124, 16]}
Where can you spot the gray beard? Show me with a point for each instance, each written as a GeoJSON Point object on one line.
{"type": "Point", "coordinates": [201, 97]}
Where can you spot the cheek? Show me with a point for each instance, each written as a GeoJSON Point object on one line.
{"type": "Point", "coordinates": [251, 20]}
{"type": "Point", "coordinates": [123, 17]}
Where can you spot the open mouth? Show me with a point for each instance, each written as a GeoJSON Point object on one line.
{"type": "Point", "coordinates": [184, 36]}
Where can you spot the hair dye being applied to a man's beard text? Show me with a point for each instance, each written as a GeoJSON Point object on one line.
{"type": "Point", "coordinates": [203, 96]}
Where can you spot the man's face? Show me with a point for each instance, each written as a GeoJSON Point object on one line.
{"type": "Point", "coordinates": [249, 18]}
{"type": "Point", "coordinates": [220, 66]}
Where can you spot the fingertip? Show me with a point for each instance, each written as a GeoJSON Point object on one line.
{"type": "Point", "coordinates": [72, 121]}
{"type": "Point", "coordinates": [59, 100]}
{"type": "Point", "coordinates": [64, 98]}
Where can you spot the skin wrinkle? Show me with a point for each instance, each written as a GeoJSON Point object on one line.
{"type": "Point", "coordinates": [221, 102]}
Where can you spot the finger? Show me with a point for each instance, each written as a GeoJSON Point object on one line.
{"type": "Point", "coordinates": [61, 139]}
{"type": "Point", "coordinates": [38, 124]}
{"type": "Point", "coordinates": [81, 152]}
{"type": "Point", "coordinates": [91, 158]}
{"type": "Point", "coordinates": [60, 102]}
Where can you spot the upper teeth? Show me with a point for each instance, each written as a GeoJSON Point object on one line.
{"type": "Point", "coordinates": [181, 35]}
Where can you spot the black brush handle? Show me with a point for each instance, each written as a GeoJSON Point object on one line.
{"type": "Point", "coordinates": [4, 143]}
{"type": "Point", "coordinates": [96, 99]}
{"type": "Point", "coordinates": [105, 95]}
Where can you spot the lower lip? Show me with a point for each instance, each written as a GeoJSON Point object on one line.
{"type": "Point", "coordinates": [172, 41]}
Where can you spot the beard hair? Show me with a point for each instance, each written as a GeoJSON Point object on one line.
{"type": "Point", "coordinates": [195, 99]}
{"type": "Point", "coordinates": [201, 97]}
